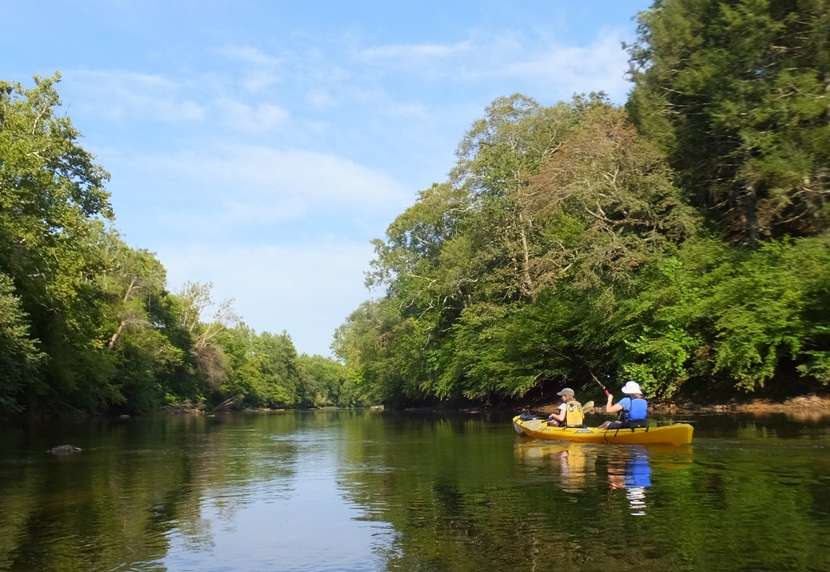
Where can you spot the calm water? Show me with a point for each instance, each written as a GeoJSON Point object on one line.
{"type": "Point", "coordinates": [423, 492]}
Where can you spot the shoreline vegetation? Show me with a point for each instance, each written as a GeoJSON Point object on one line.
{"type": "Point", "coordinates": [681, 239]}
{"type": "Point", "coordinates": [801, 407]}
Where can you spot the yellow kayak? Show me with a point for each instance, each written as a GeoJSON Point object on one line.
{"type": "Point", "coordinates": [678, 434]}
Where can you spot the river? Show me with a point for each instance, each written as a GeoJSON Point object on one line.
{"type": "Point", "coordinates": [355, 491]}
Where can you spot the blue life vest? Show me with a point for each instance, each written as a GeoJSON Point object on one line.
{"type": "Point", "coordinates": [638, 471]}
{"type": "Point", "coordinates": [634, 412]}
{"type": "Point", "coordinates": [638, 411]}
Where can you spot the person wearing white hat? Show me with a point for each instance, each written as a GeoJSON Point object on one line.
{"type": "Point", "coordinates": [631, 409]}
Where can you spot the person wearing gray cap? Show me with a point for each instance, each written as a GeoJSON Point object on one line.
{"type": "Point", "coordinates": [570, 410]}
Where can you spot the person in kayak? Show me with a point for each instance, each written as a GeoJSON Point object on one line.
{"type": "Point", "coordinates": [570, 411]}
{"type": "Point", "coordinates": [631, 409]}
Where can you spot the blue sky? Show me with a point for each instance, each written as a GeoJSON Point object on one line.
{"type": "Point", "coordinates": [261, 145]}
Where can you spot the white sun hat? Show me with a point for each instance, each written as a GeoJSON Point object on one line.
{"type": "Point", "coordinates": [631, 387]}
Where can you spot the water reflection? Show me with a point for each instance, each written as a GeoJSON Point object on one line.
{"type": "Point", "coordinates": [173, 493]}
{"type": "Point", "coordinates": [629, 469]}
{"type": "Point", "coordinates": [575, 466]}
{"type": "Point", "coordinates": [573, 463]}
{"type": "Point", "coordinates": [355, 491]}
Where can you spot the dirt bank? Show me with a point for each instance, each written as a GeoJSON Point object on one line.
{"type": "Point", "coordinates": [802, 406]}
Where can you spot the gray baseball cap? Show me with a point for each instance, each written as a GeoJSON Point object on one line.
{"type": "Point", "coordinates": [567, 391]}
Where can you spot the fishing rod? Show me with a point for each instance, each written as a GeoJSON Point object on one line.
{"type": "Point", "coordinates": [605, 389]}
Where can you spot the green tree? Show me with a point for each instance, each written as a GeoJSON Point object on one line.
{"type": "Point", "coordinates": [261, 369]}
{"type": "Point", "coordinates": [324, 381]}
{"type": "Point", "coordinates": [133, 287]}
{"type": "Point", "coordinates": [736, 92]}
{"type": "Point", "coordinates": [505, 276]}
{"type": "Point", "coordinates": [209, 357]}
{"type": "Point", "coordinates": [52, 198]}
{"type": "Point", "coordinates": [604, 203]}
{"type": "Point", "coordinates": [729, 317]}
{"type": "Point", "coordinates": [20, 358]}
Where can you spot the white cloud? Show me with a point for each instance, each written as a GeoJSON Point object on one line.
{"type": "Point", "coordinates": [430, 60]}
{"type": "Point", "coordinates": [249, 55]}
{"type": "Point", "coordinates": [125, 95]}
{"type": "Point", "coordinates": [320, 98]}
{"type": "Point", "coordinates": [308, 291]}
{"type": "Point", "coordinates": [396, 54]}
{"type": "Point", "coordinates": [262, 69]}
{"type": "Point", "coordinates": [263, 184]}
{"type": "Point", "coordinates": [599, 66]}
{"type": "Point", "coordinates": [262, 118]}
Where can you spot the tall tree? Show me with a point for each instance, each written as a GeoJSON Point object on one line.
{"type": "Point", "coordinates": [604, 202]}
{"type": "Point", "coordinates": [20, 357]}
{"type": "Point", "coordinates": [52, 200]}
{"type": "Point", "coordinates": [195, 298]}
{"type": "Point", "coordinates": [738, 92]}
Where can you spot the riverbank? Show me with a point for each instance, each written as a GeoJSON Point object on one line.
{"type": "Point", "coordinates": [804, 406]}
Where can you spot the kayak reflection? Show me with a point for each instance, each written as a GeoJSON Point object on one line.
{"type": "Point", "coordinates": [581, 467]}
{"type": "Point", "coordinates": [575, 463]}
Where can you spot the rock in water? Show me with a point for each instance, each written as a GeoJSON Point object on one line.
{"type": "Point", "coordinates": [64, 449]}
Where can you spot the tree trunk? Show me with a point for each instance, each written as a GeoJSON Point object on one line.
{"type": "Point", "coordinates": [116, 334]}
{"type": "Point", "coordinates": [751, 205]}
{"type": "Point", "coordinates": [526, 253]}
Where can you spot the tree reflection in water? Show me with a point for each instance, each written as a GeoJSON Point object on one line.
{"type": "Point", "coordinates": [406, 492]}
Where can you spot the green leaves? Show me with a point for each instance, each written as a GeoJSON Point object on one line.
{"type": "Point", "coordinates": [608, 201]}
{"type": "Point", "coordinates": [20, 357]}
{"type": "Point", "coordinates": [731, 316]}
{"type": "Point", "coordinates": [484, 272]}
{"type": "Point", "coordinates": [563, 241]}
{"type": "Point", "coordinates": [736, 93]}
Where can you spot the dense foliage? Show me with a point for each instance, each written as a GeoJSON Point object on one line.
{"type": "Point", "coordinates": [681, 240]}
{"type": "Point", "coordinates": [87, 322]}
{"type": "Point", "coordinates": [736, 93]}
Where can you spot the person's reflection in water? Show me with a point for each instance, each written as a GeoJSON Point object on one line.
{"type": "Point", "coordinates": [634, 475]}
{"type": "Point", "coordinates": [637, 479]}
{"type": "Point", "coordinates": [575, 461]}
